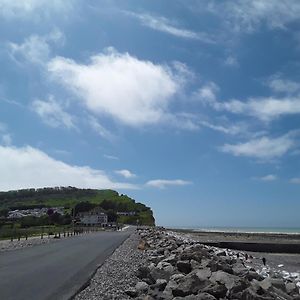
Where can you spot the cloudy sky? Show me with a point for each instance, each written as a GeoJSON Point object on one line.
{"type": "Point", "coordinates": [191, 107]}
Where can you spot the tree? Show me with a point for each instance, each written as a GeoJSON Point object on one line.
{"type": "Point", "coordinates": [111, 216]}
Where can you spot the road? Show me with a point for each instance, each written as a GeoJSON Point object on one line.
{"type": "Point", "coordinates": [55, 270]}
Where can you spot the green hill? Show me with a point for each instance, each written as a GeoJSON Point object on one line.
{"type": "Point", "coordinates": [68, 197]}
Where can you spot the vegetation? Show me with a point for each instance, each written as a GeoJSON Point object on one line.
{"type": "Point", "coordinates": [69, 198]}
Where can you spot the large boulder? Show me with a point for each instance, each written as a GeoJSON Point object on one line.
{"type": "Point", "coordinates": [217, 290]}
{"type": "Point", "coordinates": [184, 266]}
{"type": "Point", "coordinates": [203, 274]}
{"type": "Point", "coordinates": [163, 270]}
{"type": "Point", "coordinates": [141, 287]}
{"type": "Point", "coordinates": [251, 294]}
{"type": "Point", "coordinates": [190, 284]}
{"type": "Point", "coordinates": [234, 284]}
{"type": "Point", "coordinates": [202, 296]}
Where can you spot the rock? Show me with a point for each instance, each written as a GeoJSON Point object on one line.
{"type": "Point", "coordinates": [203, 274]}
{"type": "Point", "coordinates": [217, 290]}
{"type": "Point", "coordinates": [147, 297]}
{"type": "Point", "coordinates": [171, 259]}
{"type": "Point", "coordinates": [160, 284]}
{"type": "Point", "coordinates": [141, 287]}
{"type": "Point", "coordinates": [279, 294]}
{"type": "Point", "coordinates": [220, 253]}
{"type": "Point", "coordinates": [195, 264]}
{"type": "Point", "coordinates": [233, 283]}
{"type": "Point", "coordinates": [195, 253]}
{"type": "Point", "coordinates": [254, 275]}
{"type": "Point", "coordinates": [239, 269]}
{"type": "Point", "coordinates": [217, 264]}
{"type": "Point", "coordinates": [278, 283]}
{"type": "Point", "coordinates": [131, 292]}
{"type": "Point", "coordinates": [163, 270]}
{"type": "Point", "coordinates": [291, 288]}
{"type": "Point", "coordinates": [250, 294]}
{"type": "Point", "coordinates": [184, 266]}
{"type": "Point", "coordinates": [205, 296]}
{"type": "Point", "coordinates": [190, 284]}
{"type": "Point", "coordinates": [202, 296]}
{"type": "Point", "coordinates": [143, 272]}
{"type": "Point", "coordinates": [143, 245]}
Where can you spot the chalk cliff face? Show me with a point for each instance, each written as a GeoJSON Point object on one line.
{"type": "Point", "coordinates": [179, 268]}
{"type": "Point", "coordinates": [127, 209]}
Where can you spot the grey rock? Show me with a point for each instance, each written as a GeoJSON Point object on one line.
{"type": "Point", "coordinates": [195, 264]}
{"type": "Point", "coordinates": [131, 292]}
{"type": "Point", "coordinates": [220, 253]}
{"type": "Point", "coordinates": [190, 284]}
{"type": "Point", "coordinates": [163, 270]}
{"type": "Point", "coordinates": [254, 275]}
{"type": "Point", "coordinates": [239, 269]}
{"type": "Point", "coordinates": [266, 284]}
{"type": "Point", "coordinates": [203, 274]}
{"type": "Point", "coordinates": [171, 259]}
{"type": "Point", "coordinates": [278, 283]}
{"type": "Point", "coordinates": [291, 288]}
{"type": "Point", "coordinates": [141, 287]}
{"type": "Point", "coordinates": [217, 290]}
{"type": "Point", "coordinates": [250, 294]}
{"type": "Point", "coordinates": [143, 272]}
{"type": "Point", "coordinates": [202, 296]}
{"type": "Point", "coordinates": [184, 266]}
{"type": "Point", "coordinates": [160, 284]}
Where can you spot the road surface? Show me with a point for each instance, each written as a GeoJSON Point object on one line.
{"type": "Point", "coordinates": [55, 270]}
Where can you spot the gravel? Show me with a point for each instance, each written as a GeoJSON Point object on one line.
{"type": "Point", "coordinates": [117, 274]}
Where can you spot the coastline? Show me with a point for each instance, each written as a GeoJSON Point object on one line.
{"type": "Point", "coordinates": [242, 237]}
{"type": "Point", "coordinates": [265, 245]}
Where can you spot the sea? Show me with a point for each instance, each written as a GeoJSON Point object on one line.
{"type": "Point", "coordinates": [278, 230]}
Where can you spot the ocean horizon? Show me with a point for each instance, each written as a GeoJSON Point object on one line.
{"type": "Point", "coordinates": [275, 230]}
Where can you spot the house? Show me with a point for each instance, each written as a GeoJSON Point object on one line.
{"type": "Point", "coordinates": [126, 213]}
{"type": "Point", "coordinates": [93, 217]}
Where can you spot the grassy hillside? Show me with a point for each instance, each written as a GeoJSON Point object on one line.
{"type": "Point", "coordinates": [68, 197]}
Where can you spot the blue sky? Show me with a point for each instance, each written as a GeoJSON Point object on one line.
{"type": "Point", "coordinates": [191, 107]}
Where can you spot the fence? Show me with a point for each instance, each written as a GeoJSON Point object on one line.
{"type": "Point", "coordinates": [44, 231]}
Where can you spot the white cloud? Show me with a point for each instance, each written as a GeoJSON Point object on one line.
{"type": "Point", "coordinates": [229, 129]}
{"type": "Point", "coordinates": [112, 157]}
{"type": "Point", "coordinates": [35, 49]}
{"type": "Point", "coordinates": [12, 9]}
{"type": "Point", "coordinates": [281, 85]}
{"type": "Point", "coordinates": [29, 167]}
{"type": "Point", "coordinates": [132, 91]}
{"type": "Point", "coordinates": [270, 177]}
{"type": "Point", "coordinates": [99, 129]}
{"type": "Point", "coordinates": [295, 180]}
{"type": "Point", "coordinates": [231, 61]}
{"type": "Point", "coordinates": [248, 15]}
{"type": "Point", "coordinates": [164, 25]}
{"type": "Point", "coordinates": [262, 148]}
{"type": "Point", "coordinates": [264, 108]}
{"type": "Point", "coordinates": [125, 173]}
{"type": "Point", "coordinates": [163, 183]}
{"type": "Point", "coordinates": [52, 113]}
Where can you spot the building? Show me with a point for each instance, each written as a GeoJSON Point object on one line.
{"type": "Point", "coordinates": [33, 212]}
{"type": "Point", "coordinates": [94, 217]}
{"type": "Point", "coordinates": [126, 213]}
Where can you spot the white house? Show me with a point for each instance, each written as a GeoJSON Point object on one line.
{"type": "Point", "coordinates": [93, 217]}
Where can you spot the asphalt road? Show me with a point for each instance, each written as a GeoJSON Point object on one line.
{"type": "Point", "coordinates": [55, 270]}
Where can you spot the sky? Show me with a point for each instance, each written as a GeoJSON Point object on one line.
{"type": "Point", "coordinates": [191, 107]}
